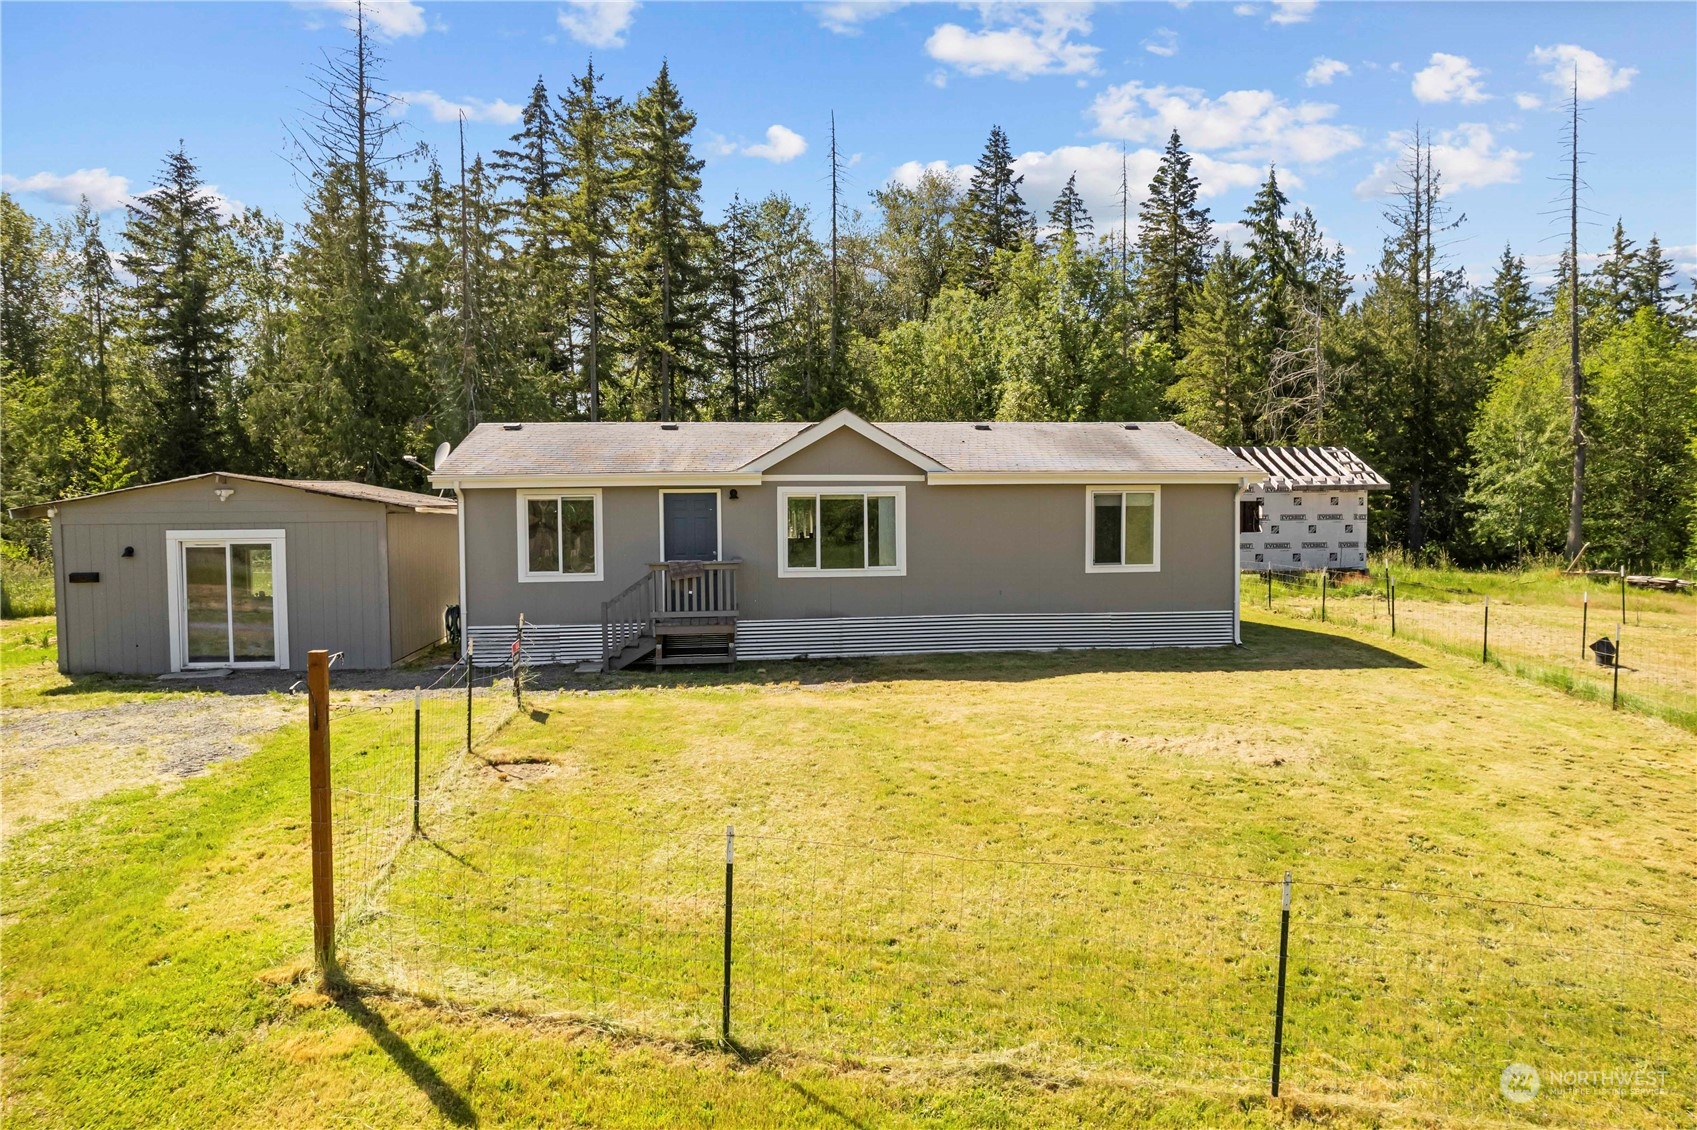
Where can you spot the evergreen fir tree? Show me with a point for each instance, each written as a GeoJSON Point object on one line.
{"type": "Point", "coordinates": [590, 126]}
{"type": "Point", "coordinates": [1615, 279]}
{"type": "Point", "coordinates": [535, 273]}
{"type": "Point", "coordinates": [1174, 240]}
{"type": "Point", "coordinates": [992, 217]}
{"type": "Point", "coordinates": [1068, 215]}
{"type": "Point", "coordinates": [350, 402]}
{"type": "Point", "coordinates": [181, 320]}
{"type": "Point", "coordinates": [1514, 311]}
{"type": "Point", "coordinates": [1652, 283]}
{"type": "Point", "coordinates": [85, 334]}
{"type": "Point", "coordinates": [1217, 390]}
{"type": "Point", "coordinates": [662, 299]}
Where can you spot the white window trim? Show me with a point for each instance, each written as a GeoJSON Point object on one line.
{"type": "Point", "coordinates": [176, 594]}
{"type": "Point", "coordinates": [899, 569]}
{"type": "Point", "coordinates": [718, 519]}
{"type": "Point", "coordinates": [1090, 494]}
{"type": "Point", "coordinates": [526, 576]}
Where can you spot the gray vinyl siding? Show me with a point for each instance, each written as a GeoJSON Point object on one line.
{"type": "Point", "coordinates": [1015, 549]}
{"type": "Point", "coordinates": [424, 578]}
{"type": "Point", "coordinates": [338, 592]}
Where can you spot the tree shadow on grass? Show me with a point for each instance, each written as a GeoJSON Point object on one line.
{"type": "Point", "coordinates": [448, 1102]}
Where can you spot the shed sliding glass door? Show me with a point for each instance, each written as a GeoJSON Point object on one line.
{"type": "Point", "coordinates": [228, 608]}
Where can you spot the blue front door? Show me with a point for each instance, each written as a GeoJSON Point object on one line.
{"type": "Point", "coordinates": [691, 526]}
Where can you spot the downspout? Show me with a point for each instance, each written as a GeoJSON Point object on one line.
{"type": "Point", "coordinates": [465, 621]}
{"type": "Point", "coordinates": [1237, 568]}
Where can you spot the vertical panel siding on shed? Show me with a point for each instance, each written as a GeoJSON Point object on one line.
{"type": "Point", "coordinates": [424, 578]}
{"type": "Point", "coordinates": [338, 589]}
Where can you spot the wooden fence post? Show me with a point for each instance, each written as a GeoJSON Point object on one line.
{"type": "Point", "coordinates": [318, 760]}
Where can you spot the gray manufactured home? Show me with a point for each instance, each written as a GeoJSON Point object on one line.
{"type": "Point", "coordinates": [236, 571]}
{"type": "Point", "coordinates": [698, 542]}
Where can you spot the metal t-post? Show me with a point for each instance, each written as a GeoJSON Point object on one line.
{"type": "Point", "coordinates": [1584, 622]}
{"type": "Point", "coordinates": [1485, 642]}
{"type": "Point", "coordinates": [1325, 576]}
{"type": "Point", "coordinates": [1279, 1008]}
{"type": "Point", "coordinates": [417, 729]}
{"type": "Point", "coordinates": [1614, 697]}
{"type": "Point", "coordinates": [725, 998]}
{"type": "Point", "coordinates": [469, 669]}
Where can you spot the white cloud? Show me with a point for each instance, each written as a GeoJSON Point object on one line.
{"type": "Point", "coordinates": [1465, 157]}
{"type": "Point", "coordinates": [104, 189]}
{"type": "Point", "coordinates": [1449, 78]}
{"type": "Point", "coordinates": [386, 19]}
{"type": "Point", "coordinates": [908, 172]}
{"type": "Point", "coordinates": [1597, 76]}
{"type": "Point", "coordinates": [1245, 10]}
{"type": "Point", "coordinates": [782, 144]}
{"type": "Point", "coordinates": [598, 23]}
{"type": "Point", "coordinates": [1528, 101]}
{"type": "Point", "coordinates": [1018, 40]}
{"type": "Point", "coordinates": [1163, 42]}
{"type": "Point", "coordinates": [1323, 71]}
{"type": "Point", "coordinates": [1248, 125]}
{"type": "Point", "coordinates": [474, 109]}
{"type": "Point", "coordinates": [846, 16]}
{"type": "Point", "coordinates": [1097, 168]}
{"type": "Point", "coordinates": [1293, 11]}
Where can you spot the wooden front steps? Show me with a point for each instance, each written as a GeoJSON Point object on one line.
{"type": "Point", "coordinates": [680, 613]}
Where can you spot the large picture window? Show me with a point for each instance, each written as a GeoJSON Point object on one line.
{"type": "Point", "coordinates": [841, 532]}
{"type": "Point", "coordinates": [560, 537]}
{"type": "Point", "coordinates": [1123, 530]}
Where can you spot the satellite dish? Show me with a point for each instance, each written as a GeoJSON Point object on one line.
{"type": "Point", "coordinates": [442, 450]}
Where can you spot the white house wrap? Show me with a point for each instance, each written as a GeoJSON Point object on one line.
{"type": "Point", "coordinates": [1309, 513]}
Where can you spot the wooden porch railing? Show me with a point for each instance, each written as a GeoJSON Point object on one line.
{"type": "Point", "coordinates": [669, 591]}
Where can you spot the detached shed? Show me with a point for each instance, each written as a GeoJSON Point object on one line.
{"type": "Point", "coordinates": [224, 570]}
{"type": "Point", "coordinates": [1309, 513]}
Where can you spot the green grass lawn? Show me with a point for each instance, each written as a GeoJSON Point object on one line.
{"type": "Point", "coordinates": [1541, 623]}
{"type": "Point", "coordinates": [909, 952]}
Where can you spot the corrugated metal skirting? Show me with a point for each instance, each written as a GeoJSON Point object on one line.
{"type": "Point", "coordinates": [845, 636]}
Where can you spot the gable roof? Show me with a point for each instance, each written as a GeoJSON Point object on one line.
{"type": "Point", "coordinates": [338, 488]}
{"type": "Point", "coordinates": [947, 452]}
{"type": "Point", "coordinates": [1296, 468]}
{"type": "Point", "coordinates": [1051, 448]}
{"type": "Point", "coordinates": [611, 448]}
{"type": "Point", "coordinates": [880, 434]}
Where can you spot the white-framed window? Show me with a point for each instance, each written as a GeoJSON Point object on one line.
{"type": "Point", "coordinates": [1122, 529]}
{"type": "Point", "coordinates": [560, 535]}
{"type": "Point", "coordinates": [858, 531]}
{"type": "Point", "coordinates": [227, 597]}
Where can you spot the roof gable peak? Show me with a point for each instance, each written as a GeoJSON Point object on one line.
{"type": "Point", "coordinates": [843, 418]}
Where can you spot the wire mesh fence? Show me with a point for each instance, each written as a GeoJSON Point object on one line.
{"type": "Point", "coordinates": [1603, 642]}
{"type": "Point", "coordinates": [512, 890]}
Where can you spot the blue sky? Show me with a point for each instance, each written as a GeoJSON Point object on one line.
{"type": "Point", "coordinates": [92, 95]}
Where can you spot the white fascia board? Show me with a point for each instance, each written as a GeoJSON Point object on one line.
{"type": "Point", "coordinates": [1076, 478]}
{"type": "Point", "coordinates": [636, 479]}
{"type": "Point", "coordinates": [843, 418]}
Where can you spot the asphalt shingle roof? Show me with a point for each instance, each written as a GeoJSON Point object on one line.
{"type": "Point", "coordinates": [362, 492]}
{"type": "Point", "coordinates": [615, 449]}
{"type": "Point", "coordinates": [715, 448]}
{"type": "Point", "coordinates": [1032, 447]}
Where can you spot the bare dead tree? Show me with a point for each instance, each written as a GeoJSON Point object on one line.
{"type": "Point", "coordinates": [1576, 384]}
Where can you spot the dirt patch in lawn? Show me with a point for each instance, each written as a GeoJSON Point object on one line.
{"type": "Point", "coordinates": [1210, 745]}
{"type": "Point", "coordinates": [55, 760]}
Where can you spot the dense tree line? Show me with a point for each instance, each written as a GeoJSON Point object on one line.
{"type": "Point", "coordinates": [573, 275]}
